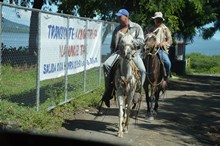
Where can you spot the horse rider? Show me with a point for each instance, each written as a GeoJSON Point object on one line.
{"type": "Point", "coordinates": [164, 41]}
{"type": "Point", "coordinates": [126, 26]}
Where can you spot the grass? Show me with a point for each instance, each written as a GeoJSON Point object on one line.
{"type": "Point", "coordinates": [203, 64]}
{"type": "Point", "coordinates": [19, 82]}
{"type": "Point", "coordinates": [29, 120]}
{"type": "Point", "coordinates": [17, 79]}
{"type": "Point", "coordinates": [18, 98]}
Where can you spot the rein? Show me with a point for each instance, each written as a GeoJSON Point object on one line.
{"type": "Point", "coordinates": [135, 73]}
{"type": "Point", "coordinates": [127, 52]}
{"type": "Point", "coordinates": [148, 78]}
{"type": "Point", "coordinates": [154, 53]}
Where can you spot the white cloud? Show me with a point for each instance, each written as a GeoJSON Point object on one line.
{"type": "Point", "coordinates": [217, 35]}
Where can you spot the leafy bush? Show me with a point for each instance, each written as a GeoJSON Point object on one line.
{"type": "Point", "coordinates": [204, 64]}
{"type": "Point", "coordinates": [17, 56]}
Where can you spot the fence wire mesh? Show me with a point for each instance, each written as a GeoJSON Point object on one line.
{"type": "Point", "coordinates": [19, 56]}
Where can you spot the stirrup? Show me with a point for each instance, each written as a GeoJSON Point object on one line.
{"type": "Point", "coordinates": [139, 90]}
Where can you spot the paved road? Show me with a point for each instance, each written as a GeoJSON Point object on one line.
{"type": "Point", "coordinates": [189, 115]}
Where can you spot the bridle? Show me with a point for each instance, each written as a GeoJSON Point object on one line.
{"type": "Point", "coordinates": [152, 51]}
{"type": "Point", "coordinates": [128, 55]}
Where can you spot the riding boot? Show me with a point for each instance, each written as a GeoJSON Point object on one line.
{"type": "Point", "coordinates": [108, 88]}
{"type": "Point", "coordinates": [164, 83]}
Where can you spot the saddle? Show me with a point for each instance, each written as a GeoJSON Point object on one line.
{"type": "Point", "coordinates": [163, 71]}
{"type": "Point", "coordinates": [136, 74]}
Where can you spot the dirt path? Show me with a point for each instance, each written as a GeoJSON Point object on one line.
{"type": "Point", "coordinates": [189, 114]}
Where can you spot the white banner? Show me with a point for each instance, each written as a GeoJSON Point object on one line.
{"type": "Point", "coordinates": [53, 40]}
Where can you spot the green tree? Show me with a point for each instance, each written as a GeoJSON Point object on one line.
{"type": "Point", "coordinates": [183, 17]}
{"type": "Point", "coordinates": [214, 7]}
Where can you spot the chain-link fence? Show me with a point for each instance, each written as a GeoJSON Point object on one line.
{"type": "Point", "coordinates": [23, 47]}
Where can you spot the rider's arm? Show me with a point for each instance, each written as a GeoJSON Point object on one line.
{"type": "Point", "coordinates": [139, 36]}
{"type": "Point", "coordinates": [169, 39]}
{"type": "Point", "coordinates": [113, 41]}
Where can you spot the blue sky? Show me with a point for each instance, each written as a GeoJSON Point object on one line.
{"type": "Point", "coordinates": [208, 47]}
{"type": "Point", "coordinates": [217, 35]}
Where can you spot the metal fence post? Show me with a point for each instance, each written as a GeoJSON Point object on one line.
{"type": "Point", "coordinates": [0, 44]}
{"type": "Point", "coordinates": [85, 45]}
{"type": "Point", "coordinates": [38, 63]}
{"type": "Point", "coordinates": [66, 62]}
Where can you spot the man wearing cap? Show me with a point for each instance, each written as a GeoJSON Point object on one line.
{"type": "Point", "coordinates": [126, 26]}
{"type": "Point", "coordinates": [164, 41]}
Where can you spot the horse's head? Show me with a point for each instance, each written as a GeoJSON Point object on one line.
{"type": "Point", "coordinates": [126, 46]}
{"type": "Point", "coordinates": [150, 42]}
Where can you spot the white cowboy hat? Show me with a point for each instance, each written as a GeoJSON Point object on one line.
{"type": "Point", "coordinates": [158, 15]}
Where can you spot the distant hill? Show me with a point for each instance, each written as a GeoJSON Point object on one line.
{"type": "Point", "coordinates": [206, 47]}
{"type": "Point", "coordinates": [9, 26]}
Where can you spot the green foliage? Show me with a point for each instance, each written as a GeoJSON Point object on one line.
{"type": "Point", "coordinates": [183, 17]}
{"type": "Point", "coordinates": [16, 56]}
{"type": "Point", "coordinates": [204, 64]}
{"type": "Point", "coordinates": [28, 119]}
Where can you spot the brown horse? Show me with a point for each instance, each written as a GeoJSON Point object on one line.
{"type": "Point", "coordinates": [154, 78]}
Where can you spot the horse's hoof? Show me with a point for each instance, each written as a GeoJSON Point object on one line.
{"type": "Point", "coordinates": [125, 130]}
{"type": "Point", "coordinates": [155, 112]}
{"type": "Point", "coordinates": [151, 118]}
{"type": "Point", "coordinates": [120, 135]}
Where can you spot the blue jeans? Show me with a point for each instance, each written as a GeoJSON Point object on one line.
{"type": "Point", "coordinates": [166, 60]}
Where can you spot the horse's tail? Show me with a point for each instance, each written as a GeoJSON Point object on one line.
{"type": "Point", "coordinates": [99, 107]}
{"type": "Point", "coordinates": [100, 103]}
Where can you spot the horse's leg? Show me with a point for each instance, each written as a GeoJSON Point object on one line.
{"type": "Point", "coordinates": [151, 103]}
{"type": "Point", "coordinates": [146, 89]}
{"type": "Point", "coordinates": [126, 116]}
{"type": "Point", "coordinates": [157, 95]}
{"type": "Point", "coordinates": [127, 110]}
{"type": "Point", "coordinates": [120, 115]}
{"type": "Point", "coordinates": [148, 103]}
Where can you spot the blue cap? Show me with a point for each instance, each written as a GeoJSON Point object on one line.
{"type": "Point", "coordinates": [122, 12]}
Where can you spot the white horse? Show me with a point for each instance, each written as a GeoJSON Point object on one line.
{"type": "Point", "coordinates": [126, 80]}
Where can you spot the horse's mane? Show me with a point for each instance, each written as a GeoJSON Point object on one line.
{"type": "Point", "coordinates": [150, 41]}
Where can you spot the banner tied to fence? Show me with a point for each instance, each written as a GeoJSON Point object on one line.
{"type": "Point", "coordinates": [80, 40]}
